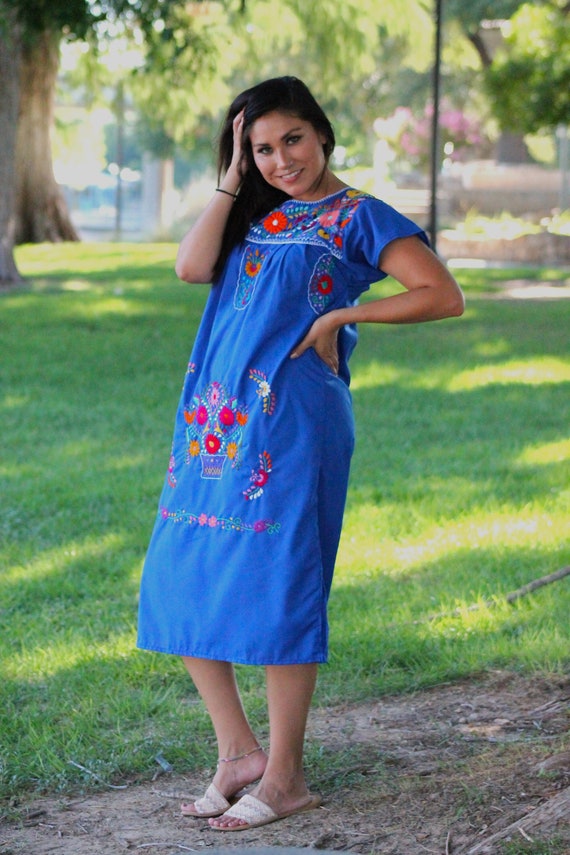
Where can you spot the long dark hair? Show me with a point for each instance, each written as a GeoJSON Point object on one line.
{"type": "Point", "coordinates": [256, 197]}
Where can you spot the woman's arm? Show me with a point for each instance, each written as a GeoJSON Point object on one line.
{"type": "Point", "coordinates": [200, 247]}
{"type": "Point", "coordinates": [431, 294]}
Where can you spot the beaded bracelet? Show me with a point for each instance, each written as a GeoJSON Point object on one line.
{"type": "Point", "coordinates": [227, 192]}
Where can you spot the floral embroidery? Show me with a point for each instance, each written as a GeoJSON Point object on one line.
{"type": "Point", "coordinates": [259, 477]}
{"type": "Point", "coordinates": [320, 223]}
{"type": "Point", "coordinates": [263, 390]}
{"type": "Point", "coordinates": [171, 477]}
{"type": "Point", "coordinates": [251, 264]}
{"type": "Point", "coordinates": [321, 284]}
{"type": "Point", "coordinates": [276, 222]}
{"type": "Point", "coordinates": [215, 422]}
{"type": "Point", "coordinates": [223, 523]}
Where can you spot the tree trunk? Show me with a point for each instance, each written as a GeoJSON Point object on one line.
{"type": "Point", "coordinates": [41, 210]}
{"type": "Point", "coordinates": [9, 99]}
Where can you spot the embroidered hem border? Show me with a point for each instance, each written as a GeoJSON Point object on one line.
{"type": "Point", "coordinates": [224, 523]}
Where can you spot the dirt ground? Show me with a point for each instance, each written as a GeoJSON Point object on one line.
{"type": "Point", "coordinates": [442, 771]}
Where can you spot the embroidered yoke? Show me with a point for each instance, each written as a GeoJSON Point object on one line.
{"type": "Point", "coordinates": [240, 563]}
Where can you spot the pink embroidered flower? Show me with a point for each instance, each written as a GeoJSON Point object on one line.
{"type": "Point", "coordinates": [202, 415]}
{"type": "Point", "coordinates": [212, 443]}
{"type": "Point", "coordinates": [164, 513]}
{"type": "Point", "coordinates": [328, 219]}
{"type": "Point", "coordinates": [226, 416]}
{"type": "Point", "coordinates": [212, 522]}
{"type": "Point", "coordinates": [260, 525]}
{"type": "Point", "coordinates": [203, 519]}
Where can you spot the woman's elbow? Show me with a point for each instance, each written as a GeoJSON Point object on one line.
{"type": "Point", "coordinates": [190, 273]}
{"type": "Point", "coordinates": [455, 304]}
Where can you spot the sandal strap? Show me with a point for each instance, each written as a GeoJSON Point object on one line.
{"type": "Point", "coordinates": [211, 801]}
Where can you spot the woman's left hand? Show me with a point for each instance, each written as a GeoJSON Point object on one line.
{"type": "Point", "coordinates": [323, 338]}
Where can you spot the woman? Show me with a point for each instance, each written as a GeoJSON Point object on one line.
{"type": "Point", "coordinates": [241, 559]}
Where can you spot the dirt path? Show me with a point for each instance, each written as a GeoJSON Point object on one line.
{"type": "Point", "coordinates": [441, 771]}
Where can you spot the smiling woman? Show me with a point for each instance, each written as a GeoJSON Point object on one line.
{"type": "Point", "coordinates": [241, 560]}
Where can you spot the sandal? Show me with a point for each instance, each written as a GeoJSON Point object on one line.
{"type": "Point", "coordinates": [213, 803]}
{"type": "Point", "coordinates": [253, 813]}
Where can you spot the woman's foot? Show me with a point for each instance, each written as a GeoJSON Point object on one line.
{"type": "Point", "coordinates": [232, 775]}
{"type": "Point", "coordinates": [280, 802]}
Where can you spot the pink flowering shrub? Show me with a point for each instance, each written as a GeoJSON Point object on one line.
{"type": "Point", "coordinates": [409, 135]}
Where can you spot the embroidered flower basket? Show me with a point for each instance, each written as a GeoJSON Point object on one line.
{"type": "Point", "coordinates": [213, 465]}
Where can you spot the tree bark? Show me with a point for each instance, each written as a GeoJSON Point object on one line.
{"type": "Point", "coordinates": [9, 100]}
{"type": "Point", "coordinates": [41, 211]}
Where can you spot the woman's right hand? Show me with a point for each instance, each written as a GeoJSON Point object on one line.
{"type": "Point", "coordinates": [237, 164]}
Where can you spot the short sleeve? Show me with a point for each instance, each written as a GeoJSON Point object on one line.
{"type": "Point", "coordinates": [373, 226]}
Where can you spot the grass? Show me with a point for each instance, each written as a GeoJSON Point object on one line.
{"type": "Point", "coordinates": [459, 494]}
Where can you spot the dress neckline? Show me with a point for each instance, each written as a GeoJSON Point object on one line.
{"type": "Point", "coordinates": [323, 199]}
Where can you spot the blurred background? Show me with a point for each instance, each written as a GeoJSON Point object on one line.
{"type": "Point", "coordinates": [456, 113]}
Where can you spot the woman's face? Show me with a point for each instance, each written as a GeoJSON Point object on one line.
{"type": "Point", "coordinates": [288, 152]}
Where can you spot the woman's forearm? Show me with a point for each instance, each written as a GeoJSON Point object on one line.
{"type": "Point", "coordinates": [200, 247]}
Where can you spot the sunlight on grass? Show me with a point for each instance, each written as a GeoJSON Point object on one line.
{"type": "Point", "coordinates": [368, 550]}
{"type": "Point", "coordinates": [57, 559]}
{"type": "Point", "coordinates": [541, 455]}
{"type": "Point", "coordinates": [531, 372]}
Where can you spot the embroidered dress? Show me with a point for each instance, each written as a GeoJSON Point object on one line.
{"type": "Point", "coordinates": [240, 563]}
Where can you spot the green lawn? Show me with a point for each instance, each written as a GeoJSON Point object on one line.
{"type": "Point", "coordinates": [460, 493]}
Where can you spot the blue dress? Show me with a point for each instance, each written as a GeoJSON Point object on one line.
{"type": "Point", "coordinates": [240, 563]}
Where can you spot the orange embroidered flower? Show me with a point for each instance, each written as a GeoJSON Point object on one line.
{"type": "Point", "coordinates": [253, 264]}
{"type": "Point", "coordinates": [241, 418]}
{"type": "Point", "coordinates": [189, 417]}
{"type": "Point", "coordinates": [275, 222]}
{"type": "Point", "coordinates": [194, 448]}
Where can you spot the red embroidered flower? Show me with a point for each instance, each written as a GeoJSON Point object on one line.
{"type": "Point", "coordinates": [275, 222]}
{"type": "Point", "coordinates": [325, 284]}
{"type": "Point", "coordinates": [261, 478]}
{"type": "Point", "coordinates": [202, 415]}
{"type": "Point", "coordinates": [226, 416]}
{"type": "Point", "coordinates": [212, 443]}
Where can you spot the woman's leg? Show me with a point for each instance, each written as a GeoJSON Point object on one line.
{"type": "Point", "coordinates": [216, 684]}
{"type": "Point", "coordinates": [283, 786]}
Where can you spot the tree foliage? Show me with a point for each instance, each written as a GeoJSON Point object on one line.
{"type": "Point", "coordinates": [529, 80]}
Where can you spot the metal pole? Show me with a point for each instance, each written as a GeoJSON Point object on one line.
{"type": "Point", "coordinates": [435, 153]}
{"type": "Point", "coordinates": [120, 114]}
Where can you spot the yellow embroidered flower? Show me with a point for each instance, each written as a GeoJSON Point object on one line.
{"type": "Point", "coordinates": [194, 448]}
{"type": "Point", "coordinates": [231, 450]}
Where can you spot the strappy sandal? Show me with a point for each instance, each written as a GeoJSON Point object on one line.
{"type": "Point", "coordinates": [213, 803]}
